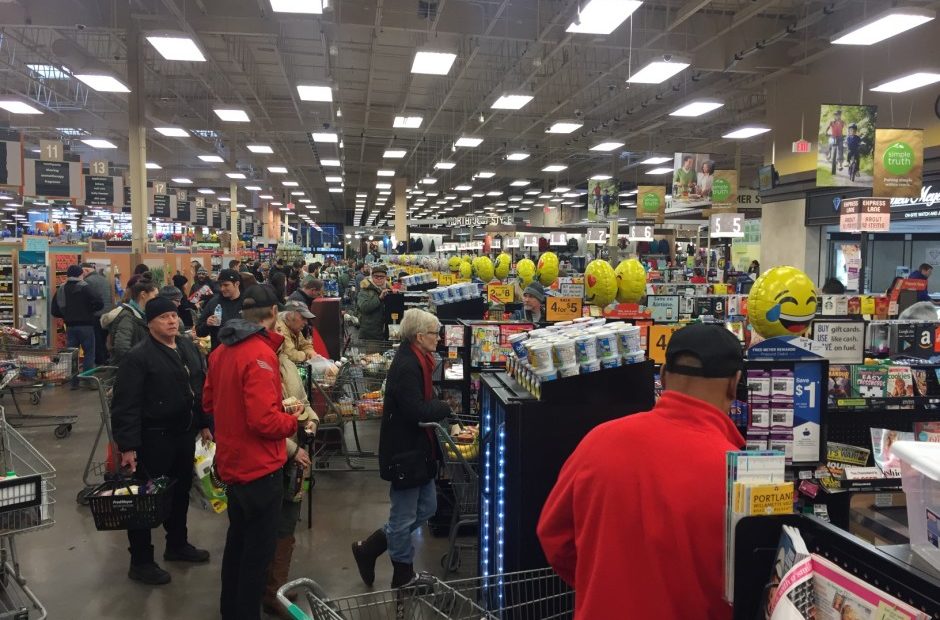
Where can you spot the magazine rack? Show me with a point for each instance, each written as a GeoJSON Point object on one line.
{"type": "Point", "coordinates": [756, 540]}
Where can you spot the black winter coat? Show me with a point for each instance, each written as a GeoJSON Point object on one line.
{"type": "Point", "coordinates": [78, 306]}
{"type": "Point", "coordinates": [157, 388]}
{"type": "Point", "coordinates": [404, 408]}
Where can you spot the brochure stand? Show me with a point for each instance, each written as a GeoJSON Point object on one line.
{"type": "Point", "coordinates": [756, 540]}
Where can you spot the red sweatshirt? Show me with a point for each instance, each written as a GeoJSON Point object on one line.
{"type": "Point", "coordinates": [635, 522]}
{"type": "Point", "coordinates": [243, 393]}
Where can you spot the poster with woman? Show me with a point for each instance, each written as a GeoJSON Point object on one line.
{"type": "Point", "coordinates": [692, 178]}
{"type": "Point", "coordinates": [846, 144]}
{"type": "Point", "coordinates": [603, 199]}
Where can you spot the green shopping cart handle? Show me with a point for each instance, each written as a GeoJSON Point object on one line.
{"type": "Point", "coordinates": [297, 613]}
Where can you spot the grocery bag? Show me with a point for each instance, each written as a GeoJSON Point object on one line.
{"type": "Point", "coordinates": [210, 487]}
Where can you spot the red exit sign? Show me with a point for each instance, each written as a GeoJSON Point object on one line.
{"type": "Point", "coordinates": [290, 206]}
{"type": "Point", "coordinates": [802, 146]}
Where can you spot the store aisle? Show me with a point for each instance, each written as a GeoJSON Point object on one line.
{"type": "Point", "coordinates": [81, 574]}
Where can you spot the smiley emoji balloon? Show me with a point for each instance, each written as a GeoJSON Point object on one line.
{"type": "Point", "coordinates": [466, 269]}
{"type": "Point", "coordinates": [453, 263]}
{"type": "Point", "coordinates": [526, 270]}
{"type": "Point", "coordinates": [503, 263]}
{"type": "Point", "coordinates": [631, 281]}
{"type": "Point", "coordinates": [600, 283]}
{"type": "Point", "coordinates": [782, 302]}
{"type": "Point", "coordinates": [483, 267]}
{"type": "Point", "coordinates": [548, 268]}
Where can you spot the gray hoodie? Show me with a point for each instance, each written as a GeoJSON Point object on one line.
{"type": "Point", "coordinates": [236, 330]}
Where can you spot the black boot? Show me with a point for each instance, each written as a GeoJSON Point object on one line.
{"type": "Point", "coordinates": [151, 574]}
{"type": "Point", "coordinates": [186, 553]}
{"type": "Point", "coordinates": [367, 552]}
{"type": "Point", "coordinates": [403, 574]}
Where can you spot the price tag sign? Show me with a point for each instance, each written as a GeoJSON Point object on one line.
{"type": "Point", "coordinates": [51, 150]}
{"type": "Point", "coordinates": [98, 168]}
{"type": "Point", "coordinates": [563, 308]}
{"type": "Point", "coordinates": [500, 293]}
{"type": "Point", "coordinates": [641, 233]}
{"type": "Point", "coordinates": [726, 225]}
{"type": "Point", "coordinates": [446, 279]}
{"type": "Point", "coordinates": [659, 337]}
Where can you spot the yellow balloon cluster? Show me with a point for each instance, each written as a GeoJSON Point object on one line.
{"type": "Point", "coordinates": [453, 264]}
{"type": "Point", "coordinates": [548, 268]}
{"type": "Point", "coordinates": [466, 269]}
{"type": "Point", "coordinates": [483, 267]}
{"type": "Point", "coordinates": [526, 270]}
{"type": "Point", "coordinates": [782, 302]}
{"type": "Point", "coordinates": [631, 281]}
{"type": "Point", "coordinates": [600, 283]}
{"type": "Point", "coordinates": [503, 263]}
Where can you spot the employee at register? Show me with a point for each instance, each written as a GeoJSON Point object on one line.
{"type": "Point", "coordinates": [923, 273]}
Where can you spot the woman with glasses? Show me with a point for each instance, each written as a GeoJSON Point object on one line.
{"type": "Point", "coordinates": [408, 452]}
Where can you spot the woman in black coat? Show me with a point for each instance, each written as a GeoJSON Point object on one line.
{"type": "Point", "coordinates": [408, 452]}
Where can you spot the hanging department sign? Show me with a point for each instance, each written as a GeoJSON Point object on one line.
{"type": "Point", "coordinates": [899, 163]}
{"type": "Point", "coordinates": [650, 201]}
{"type": "Point", "coordinates": [478, 220]}
{"type": "Point", "coordinates": [725, 187]}
{"type": "Point", "coordinates": [865, 215]}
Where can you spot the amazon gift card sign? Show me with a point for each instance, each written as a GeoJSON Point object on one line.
{"type": "Point", "coordinates": [918, 340]}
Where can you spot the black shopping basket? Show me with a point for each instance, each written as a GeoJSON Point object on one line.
{"type": "Point", "coordinates": [129, 512]}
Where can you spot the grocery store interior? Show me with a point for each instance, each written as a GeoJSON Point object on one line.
{"type": "Point", "coordinates": [535, 206]}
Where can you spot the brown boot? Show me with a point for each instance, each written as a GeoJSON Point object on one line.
{"type": "Point", "coordinates": [277, 577]}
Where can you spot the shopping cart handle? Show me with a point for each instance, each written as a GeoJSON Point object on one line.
{"type": "Point", "coordinates": [308, 585]}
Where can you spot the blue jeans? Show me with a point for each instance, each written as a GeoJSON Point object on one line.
{"type": "Point", "coordinates": [82, 336]}
{"type": "Point", "coordinates": [410, 509]}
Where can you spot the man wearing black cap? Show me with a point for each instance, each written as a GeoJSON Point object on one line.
{"type": "Point", "coordinates": [155, 416]}
{"type": "Point", "coordinates": [75, 304]}
{"type": "Point", "coordinates": [637, 513]}
{"type": "Point", "coordinates": [372, 293]}
{"type": "Point", "coordinates": [222, 308]}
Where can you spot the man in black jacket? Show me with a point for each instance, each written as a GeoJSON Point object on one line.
{"type": "Point", "coordinates": [310, 289]}
{"type": "Point", "coordinates": [76, 304]}
{"type": "Point", "coordinates": [155, 416]}
{"type": "Point", "coordinates": [228, 299]}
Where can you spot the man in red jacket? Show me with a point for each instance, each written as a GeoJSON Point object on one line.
{"type": "Point", "coordinates": [243, 394]}
{"type": "Point", "coordinates": [635, 522]}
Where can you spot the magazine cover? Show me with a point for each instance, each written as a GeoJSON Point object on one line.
{"type": "Point", "coordinates": [870, 381]}
{"type": "Point", "coordinates": [840, 596]}
{"type": "Point", "coordinates": [881, 441]}
{"type": "Point", "coordinates": [920, 380]}
{"type": "Point", "coordinates": [840, 382]}
{"type": "Point", "coordinates": [900, 382]}
{"type": "Point", "coordinates": [927, 431]}
{"type": "Point", "coordinates": [789, 593]}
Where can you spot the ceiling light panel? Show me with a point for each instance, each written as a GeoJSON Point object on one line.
{"type": "Point", "coordinates": [659, 171]}
{"type": "Point", "coordinates": [315, 93]}
{"type": "Point", "coordinates": [697, 108]}
{"type": "Point", "coordinates": [602, 16]}
{"type": "Point", "coordinates": [177, 48]}
{"type": "Point", "coordinates": [909, 82]}
{"type": "Point", "coordinates": [325, 137]}
{"type": "Point", "coordinates": [103, 83]}
{"type": "Point", "coordinates": [517, 156]}
{"type": "Point", "coordinates": [468, 142]}
{"type": "Point", "coordinates": [745, 132]}
{"type": "Point", "coordinates": [433, 63]}
{"type": "Point", "coordinates": [277, 169]}
{"type": "Point", "coordinates": [444, 165]}
{"type": "Point", "coordinates": [485, 174]}
{"type": "Point", "coordinates": [554, 168]}
{"type": "Point", "coordinates": [153, 166]}
{"type": "Point", "coordinates": [310, 7]}
{"type": "Point", "coordinates": [235, 175]}
{"type": "Point", "coordinates": [18, 107]}
{"type": "Point", "coordinates": [511, 102]}
{"type": "Point", "coordinates": [657, 72]}
{"type": "Point", "coordinates": [606, 147]}
{"type": "Point", "coordinates": [261, 149]}
{"type": "Point", "coordinates": [211, 159]}
{"type": "Point", "coordinates": [884, 26]}
{"type": "Point", "coordinates": [407, 122]}
{"type": "Point", "coordinates": [172, 132]}
{"type": "Point", "coordinates": [564, 127]}
{"type": "Point", "coordinates": [653, 161]}
{"type": "Point", "coordinates": [99, 143]}
{"type": "Point", "coordinates": [232, 115]}
{"type": "Point", "coordinates": [394, 153]}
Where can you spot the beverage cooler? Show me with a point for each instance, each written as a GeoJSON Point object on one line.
{"type": "Point", "coordinates": [526, 440]}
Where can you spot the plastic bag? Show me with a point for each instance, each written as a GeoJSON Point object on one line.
{"type": "Point", "coordinates": [210, 487]}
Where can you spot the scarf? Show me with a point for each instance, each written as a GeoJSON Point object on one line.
{"type": "Point", "coordinates": [426, 361]}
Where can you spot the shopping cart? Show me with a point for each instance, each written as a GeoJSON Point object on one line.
{"type": "Point", "coordinates": [37, 368]}
{"type": "Point", "coordinates": [102, 380]}
{"type": "Point", "coordinates": [460, 469]}
{"type": "Point", "coordinates": [528, 595]}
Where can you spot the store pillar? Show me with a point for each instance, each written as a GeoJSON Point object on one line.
{"type": "Point", "coordinates": [401, 210]}
{"type": "Point", "coordinates": [612, 237]}
{"type": "Point", "coordinates": [233, 216]}
{"type": "Point", "coordinates": [137, 140]}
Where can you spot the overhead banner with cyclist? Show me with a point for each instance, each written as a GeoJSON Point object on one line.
{"type": "Point", "coordinates": [846, 145]}
{"type": "Point", "coordinates": [899, 163]}
{"type": "Point", "coordinates": [603, 199]}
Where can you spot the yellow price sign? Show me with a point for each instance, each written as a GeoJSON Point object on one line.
{"type": "Point", "coordinates": [445, 279]}
{"type": "Point", "coordinates": [499, 293]}
{"type": "Point", "coordinates": [562, 308]}
{"type": "Point", "coordinates": [659, 337]}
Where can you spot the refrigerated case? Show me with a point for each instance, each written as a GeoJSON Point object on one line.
{"type": "Point", "coordinates": [524, 443]}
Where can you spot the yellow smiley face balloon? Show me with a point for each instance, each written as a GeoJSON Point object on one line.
{"type": "Point", "coordinates": [503, 263]}
{"type": "Point", "coordinates": [547, 268]}
{"type": "Point", "coordinates": [526, 270]}
{"type": "Point", "coordinates": [600, 283]}
{"type": "Point", "coordinates": [782, 302]}
{"type": "Point", "coordinates": [484, 268]}
{"type": "Point", "coordinates": [631, 281]}
{"type": "Point", "coordinates": [466, 269]}
{"type": "Point", "coordinates": [453, 264]}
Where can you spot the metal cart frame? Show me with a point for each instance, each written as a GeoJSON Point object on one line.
{"type": "Point", "coordinates": [37, 368]}
{"type": "Point", "coordinates": [101, 379]}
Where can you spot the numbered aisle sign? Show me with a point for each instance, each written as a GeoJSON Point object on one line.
{"type": "Point", "coordinates": [50, 150]}
{"type": "Point", "coordinates": [562, 308]}
{"type": "Point", "coordinates": [726, 225]}
{"type": "Point", "coordinates": [499, 293]}
{"type": "Point", "coordinates": [659, 337]}
{"type": "Point", "coordinates": [641, 233]}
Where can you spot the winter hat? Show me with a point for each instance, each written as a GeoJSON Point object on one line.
{"type": "Point", "coordinates": [172, 293]}
{"type": "Point", "coordinates": [535, 290]}
{"type": "Point", "coordinates": [74, 271]}
{"type": "Point", "coordinates": [157, 306]}
{"type": "Point", "coordinates": [179, 281]}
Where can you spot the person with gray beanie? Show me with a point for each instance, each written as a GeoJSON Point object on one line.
{"type": "Point", "coordinates": [533, 304]}
{"type": "Point", "coordinates": [184, 308]}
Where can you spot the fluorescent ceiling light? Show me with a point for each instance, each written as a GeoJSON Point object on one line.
{"type": "Point", "coordinates": [385, 173]}
{"type": "Point", "coordinates": [235, 175]}
{"type": "Point", "coordinates": [477, 194]}
{"type": "Point", "coordinates": [172, 132]}
{"type": "Point", "coordinates": [211, 158]}
{"type": "Point", "coordinates": [463, 188]}
{"type": "Point", "coordinates": [428, 181]}
{"type": "Point", "coordinates": [554, 168]}
{"type": "Point", "coordinates": [561, 189]}
{"type": "Point", "coordinates": [266, 196]}
{"type": "Point", "coordinates": [745, 132]}
{"type": "Point", "coordinates": [607, 146]}
{"type": "Point", "coordinates": [485, 174]}
{"type": "Point", "coordinates": [277, 204]}
{"type": "Point", "coordinates": [182, 180]}
{"type": "Point", "coordinates": [433, 63]}
{"type": "Point", "coordinates": [315, 93]}
{"type": "Point", "coordinates": [515, 199]}
{"type": "Point", "coordinates": [290, 183]}
{"type": "Point", "coordinates": [277, 169]}
{"type": "Point", "coordinates": [652, 161]}
{"type": "Point", "coordinates": [659, 170]}
{"type": "Point", "coordinates": [533, 192]}
{"type": "Point", "coordinates": [697, 108]}
{"type": "Point", "coordinates": [383, 186]}
{"type": "Point", "coordinates": [205, 190]}
{"type": "Point", "coordinates": [253, 188]}
{"type": "Point", "coordinates": [468, 142]}
{"type": "Point", "coordinates": [310, 7]}
{"type": "Point", "coordinates": [407, 122]}
{"type": "Point", "coordinates": [232, 115]}
{"type": "Point", "coordinates": [394, 153]}
{"type": "Point", "coordinates": [466, 200]}
{"type": "Point", "coordinates": [908, 82]}
{"type": "Point", "coordinates": [224, 199]}
{"type": "Point", "coordinates": [177, 48]}
{"type": "Point", "coordinates": [297, 193]}
{"type": "Point", "coordinates": [331, 163]}
{"type": "Point", "coordinates": [99, 144]}
{"type": "Point", "coordinates": [153, 166]}
{"type": "Point", "coordinates": [657, 72]}
{"type": "Point", "coordinates": [601, 177]}
{"type": "Point", "coordinates": [324, 137]}
{"type": "Point", "coordinates": [602, 16]}
{"type": "Point", "coordinates": [336, 190]}
{"type": "Point", "coordinates": [884, 26]}
{"type": "Point", "coordinates": [564, 127]}
{"type": "Point", "coordinates": [511, 102]}
{"type": "Point", "coordinates": [334, 179]}
{"type": "Point", "coordinates": [260, 148]}
{"type": "Point", "coordinates": [520, 183]}
{"type": "Point", "coordinates": [517, 156]}
{"type": "Point", "coordinates": [103, 83]}
{"type": "Point", "coordinates": [444, 165]}
{"type": "Point", "coordinates": [18, 107]}
{"type": "Point", "coordinates": [304, 200]}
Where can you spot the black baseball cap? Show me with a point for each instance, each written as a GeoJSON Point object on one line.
{"type": "Point", "coordinates": [229, 275]}
{"type": "Point", "coordinates": [259, 296]}
{"type": "Point", "coordinates": [716, 348]}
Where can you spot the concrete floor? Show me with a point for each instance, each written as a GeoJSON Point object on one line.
{"type": "Point", "coordinates": [81, 574]}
